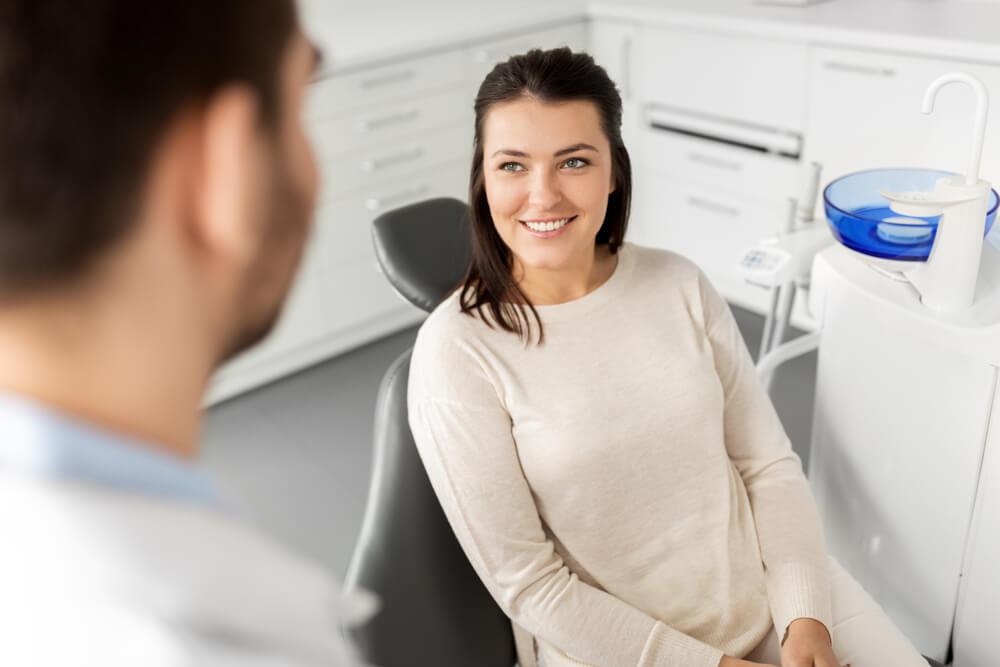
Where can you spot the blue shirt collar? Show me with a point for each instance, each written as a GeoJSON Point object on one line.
{"type": "Point", "coordinates": [38, 440]}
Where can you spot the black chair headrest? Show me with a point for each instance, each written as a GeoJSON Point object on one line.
{"type": "Point", "coordinates": [424, 249]}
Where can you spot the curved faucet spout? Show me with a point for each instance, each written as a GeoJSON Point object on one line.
{"type": "Point", "coordinates": [979, 126]}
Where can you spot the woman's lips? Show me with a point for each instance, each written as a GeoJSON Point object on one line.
{"type": "Point", "coordinates": [547, 234]}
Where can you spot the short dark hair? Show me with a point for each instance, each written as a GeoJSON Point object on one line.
{"type": "Point", "coordinates": [87, 90]}
{"type": "Point", "coordinates": [555, 75]}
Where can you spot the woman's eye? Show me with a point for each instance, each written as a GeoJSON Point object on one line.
{"type": "Point", "coordinates": [575, 162]}
{"type": "Point", "coordinates": [511, 166]}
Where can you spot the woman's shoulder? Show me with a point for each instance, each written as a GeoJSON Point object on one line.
{"type": "Point", "coordinates": [659, 265]}
{"type": "Point", "coordinates": [449, 359]}
{"type": "Point", "coordinates": [448, 322]}
{"type": "Point", "coordinates": [450, 333]}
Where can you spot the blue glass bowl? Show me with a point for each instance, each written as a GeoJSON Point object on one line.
{"type": "Point", "coordinates": [861, 219]}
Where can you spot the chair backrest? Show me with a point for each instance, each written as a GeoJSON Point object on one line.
{"type": "Point", "coordinates": [435, 610]}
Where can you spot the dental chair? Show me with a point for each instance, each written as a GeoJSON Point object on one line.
{"type": "Point", "coordinates": [435, 611]}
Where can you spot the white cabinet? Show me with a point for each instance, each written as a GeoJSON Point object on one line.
{"type": "Point", "coordinates": [976, 618]}
{"type": "Point", "coordinates": [615, 47]}
{"type": "Point", "coordinates": [721, 137]}
{"type": "Point", "coordinates": [752, 80]}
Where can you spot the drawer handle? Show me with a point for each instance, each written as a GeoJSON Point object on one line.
{"type": "Point", "coordinates": [378, 164]}
{"type": "Point", "coordinates": [392, 119]}
{"type": "Point", "coordinates": [380, 203]}
{"type": "Point", "coordinates": [713, 206]}
{"type": "Point", "coordinates": [730, 165]}
{"type": "Point", "coordinates": [869, 70]}
{"type": "Point", "coordinates": [386, 79]}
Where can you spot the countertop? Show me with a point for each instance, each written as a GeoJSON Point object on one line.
{"type": "Point", "coordinates": [357, 34]}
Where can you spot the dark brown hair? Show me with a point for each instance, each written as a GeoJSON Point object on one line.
{"type": "Point", "coordinates": [87, 90]}
{"type": "Point", "coordinates": [556, 75]}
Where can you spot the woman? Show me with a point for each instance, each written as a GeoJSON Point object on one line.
{"type": "Point", "coordinates": [593, 427]}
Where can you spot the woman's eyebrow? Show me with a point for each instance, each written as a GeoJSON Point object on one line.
{"type": "Point", "coordinates": [561, 151]}
{"type": "Point", "coordinates": [574, 148]}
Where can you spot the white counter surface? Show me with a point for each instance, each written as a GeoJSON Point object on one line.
{"type": "Point", "coordinates": [941, 28]}
{"type": "Point", "coordinates": [360, 33]}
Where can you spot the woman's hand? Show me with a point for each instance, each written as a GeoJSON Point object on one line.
{"type": "Point", "coordinates": [807, 643]}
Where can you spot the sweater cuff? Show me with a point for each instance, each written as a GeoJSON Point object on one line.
{"type": "Point", "coordinates": [799, 591]}
{"type": "Point", "coordinates": [667, 647]}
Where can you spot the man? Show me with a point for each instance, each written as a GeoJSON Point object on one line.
{"type": "Point", "coordinates": [156, 190]}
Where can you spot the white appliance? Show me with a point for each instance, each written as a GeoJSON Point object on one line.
{"type": "Point", "coordinates": [905, 457]}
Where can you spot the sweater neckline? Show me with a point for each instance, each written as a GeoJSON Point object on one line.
{"type": "Point", "coordinates": [604, 293]}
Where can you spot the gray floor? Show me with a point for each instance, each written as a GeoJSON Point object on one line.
{"type": "Point", "coordinates": [296, 454]}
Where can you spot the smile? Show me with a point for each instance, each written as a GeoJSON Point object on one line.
{"type": "Point", "coordinates": [547, 225]}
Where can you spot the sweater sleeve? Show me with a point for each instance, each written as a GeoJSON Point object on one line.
{"type": "Point", "coordinates": [786, 517]}
{"type": "Point", "coordinates": [463, 434]}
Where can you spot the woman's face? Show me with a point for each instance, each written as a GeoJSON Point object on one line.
{"type": "Point", "coordinates": [547, 171]}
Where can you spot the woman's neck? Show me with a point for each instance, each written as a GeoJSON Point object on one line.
{"type": "Point", "coordinates": [547, 287]}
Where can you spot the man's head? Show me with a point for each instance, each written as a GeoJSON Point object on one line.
{"type": "Point", "coordinates": [155, 141]}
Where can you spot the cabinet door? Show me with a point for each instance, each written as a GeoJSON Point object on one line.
{"type": "Point", "coordinates": [750, 79]}
{"type": "Point", "coordinates": [976, 618]}
{"type": "Point", "coordinates": [615, 47]}
{"type": "Point", "coordinates": [864, 112]}
{"type": "Point", "coordinates": [898, 433]}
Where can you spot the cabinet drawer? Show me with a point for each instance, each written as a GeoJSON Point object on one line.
{"type": "Point", "coordinates": [399, 119]}
{"type": "Point", "coordinates": [368, 87]}
{"type": "Point", "coordinates": [728, 76]}
{"type": "Point", "coordinates": [343, 227]}
{"type": "Point", "coordinates": [767, 178]}
{"type": "Point", "coordinates": [388, 163]}
{"type": "Point", "coordinates": [481, 59]}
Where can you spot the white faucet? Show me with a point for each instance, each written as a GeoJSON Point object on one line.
{"type": "Point", "coordinates": [947, 280]}
{"type": "Point", "coordinates": [979, 125]}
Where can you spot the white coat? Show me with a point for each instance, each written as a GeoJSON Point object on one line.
{"type": "Point", "coordinates": [93, 576]}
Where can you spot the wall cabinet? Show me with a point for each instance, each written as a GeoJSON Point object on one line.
{"type": "Point", "coordinates": [751, 80]}
{"type": "Point", "coordinates": [721, 139]}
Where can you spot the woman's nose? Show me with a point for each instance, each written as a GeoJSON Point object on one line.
{"type": "Point", "coordinates": [545, 191]}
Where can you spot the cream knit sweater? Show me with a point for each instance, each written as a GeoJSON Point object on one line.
{"type": "Point", "coordinates": [625, 491]}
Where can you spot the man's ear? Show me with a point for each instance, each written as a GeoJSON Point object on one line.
{"type": "Point", "coordinates": [230, 173]}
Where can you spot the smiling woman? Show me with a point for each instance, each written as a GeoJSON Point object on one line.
{"type": "Point", "coordinates": [622, 485]}
{"type": "Point", "coordinates": [550, 186]}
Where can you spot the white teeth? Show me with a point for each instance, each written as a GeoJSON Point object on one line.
{"type": "Point", "coordinates": [547, 226]}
